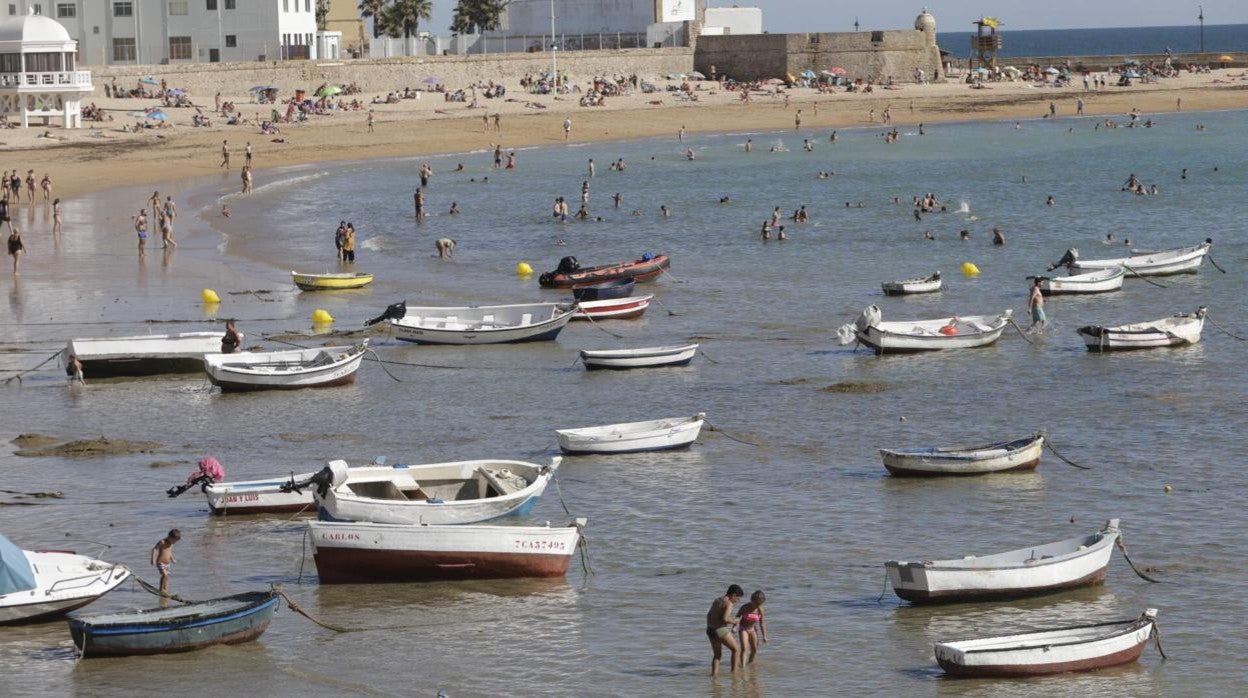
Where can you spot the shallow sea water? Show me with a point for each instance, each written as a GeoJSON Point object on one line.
{"type": "Point", "coordinates": [808, 515]}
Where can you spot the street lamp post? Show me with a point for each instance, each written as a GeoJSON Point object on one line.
{"type": "Point", "coordinates": [1201, 17]}
{"type": "Point", "coordinates": [554, 47]}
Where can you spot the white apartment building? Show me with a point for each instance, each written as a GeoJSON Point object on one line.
{"type": "Point", "coordinates": [126, 32]}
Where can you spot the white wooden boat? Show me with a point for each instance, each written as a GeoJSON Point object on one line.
{"type": "Point", "coordinates": [1152, 263]}
{"type": "Point", "coordinates": [331, 281]}
{"type": "Point", "coordinates": [613, 308]}
{"type": "Point", "coordinates": [1177, 331]}
{"type": "Point", "coordinates": [461, 492]}
{"type": "Point", "coordinates": [1020, 454]}
{"type": "Point", "coordinates": [258, 496]}
{"type": "Point", "coordinates": [369, 553]}
{"type": "Point", "coordinates": [1055, 651]}
{"type": "Point", "coordinates": [647, 357]}
{"type": "Point", "coordinates": [905, 287]}
{"type": "Point", "coordinates": [1030, 571]}
{"type": "Point", "coordinates": [909, 336]}
{"type": "Point", "coordinates": [143, 355]}
{"type": "Point", "coordinates": [285, 370]}
{"type": "Point", "coordinates": [1099, 281]}
{"type": "Point", "coordinates": [36, 585]}
{"type": "Point", "coordinates": [485, 324]}
{"type": "Point", "coordinates": [633, 437]}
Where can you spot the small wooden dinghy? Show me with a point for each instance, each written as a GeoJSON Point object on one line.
{"type": "Point", "coordinates": [905, 287]}
{"type": "Point", "coordinates": [143, 355]}
{"type": "Point", "coordinates": [1099, 281]}
{"type": "Point", "coordinates": [1020, 454]}
{"type": "Point", "coordinates": [1153, 263]}
{"type": "Point", "coordinates": [462, 492]}
{"type": "Point", "coordinates": [285, 370]}
{"type": "Point", "coordinates": [1180, 330]}
{"type": "Point", "coordinates": [570, 273]}
{"type": "Point", "coordinates": [229, 620]}
{"type": "Point", "coordinates": [633, 437]}
{"type": "Point", "coordinates": [606, 290]}
{"type": "Point", "coordinates": [909, 336]}
{"type": "Point", "coordinates": [35, 585]}
{"type": "Point", "coordinates": [331, 282]}
{"type": "Point", "coordinates": [647, 357]}
{"type": "Point", "coordinates": [371, 553]}
{"type": "Point", "coordinates": [613, 309]}
{"type": "Point", "coordinates": [1055, 651]}
{"type": "Point", "coordinates": [1030, 571]}
{"type": "Point", "coordinates": [484, 324]}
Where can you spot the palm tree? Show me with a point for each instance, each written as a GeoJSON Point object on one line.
{"type": "Point", "coordinates": [401, 18]}
{"type": "Point", "coordinates": [374, 9]}
{"type": "Point", "coordinates": [322, 12]}
{"type": "Point", "coordinates": [472, 16]}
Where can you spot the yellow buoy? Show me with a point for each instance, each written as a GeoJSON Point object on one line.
{"type": "Point", "coordinates": [209, 296]}
{"type": "Point", "coordinates": [523, 269]}
{"type": "Point", "coordinates": [321, 317]}
{"type": "Point", "coordinates": [1169, 489]}
{"type": "Point", "coordinates": [969, 269]}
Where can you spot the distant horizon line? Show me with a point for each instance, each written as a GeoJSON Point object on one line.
{"type": "Point", "coordinates": [1029, 29]}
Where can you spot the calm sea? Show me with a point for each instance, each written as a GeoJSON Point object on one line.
{"type": "Point", "coordinates": [1219, 38]}
{"type": "Point", "coordinates": [808, 515]}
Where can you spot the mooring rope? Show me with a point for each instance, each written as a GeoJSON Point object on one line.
{"type": "Point", "coordinates": [1145, 278]}
{"type": "Point", "coordinates": [1157, 639]}
{"type": "Point", "coordinates": [1219, 268]}
{"type": "Point", "coordinates": [382, 364]}
{"type": "Point", "coordinates": [706, 357]}
{"type": "Point", "coordinates": [19, 375]}
{"type": "Point", "coordinates": [885, 591]}
{"type": "Point", "coordinates": [1064, 459]}
{"type": "Point", "coordinates": [277, 589]}
{"type": "Point", "coordinates": [670, 312]}
{"type": "Point", "coordinates": [1123, 547]}
{"type": "Point", "coordinates": [1021, 332]}
{"type": "Point", "coordinates": [595, 324]}
{"type": "Point", "coordinates": [665, 270]}
{"type": "Point", "coordinates": [1232, 334]}
{"type": "Point", "coordinates": [712, 427]}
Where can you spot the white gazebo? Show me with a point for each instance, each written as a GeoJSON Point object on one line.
{"type": "Point", "coordinates": [37, 75]}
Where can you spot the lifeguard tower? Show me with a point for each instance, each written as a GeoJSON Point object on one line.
{"type": "Point", "coordinates": [37, 75]}
{"type": "Point", "coordinates": [986, 42]}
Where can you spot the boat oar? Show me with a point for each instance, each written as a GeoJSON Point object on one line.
{"type": "Point", "coordinates": [1123, 547]}
{"type": "Point", "coordinates": [1062, 458]}
{"type": "Point", "coordinates": [1145, 278]}
{"type": "Point", "coordinates": [1219, 268]}
{"type": "Point", "coordinates": [19, 375]}
{"type": "Point", "coordinates": [1232, 334]}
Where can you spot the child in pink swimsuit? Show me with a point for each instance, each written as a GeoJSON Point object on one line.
{"type": "Point", "coordinates": [753, 626]}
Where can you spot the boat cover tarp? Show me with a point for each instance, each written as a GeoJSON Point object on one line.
{"type": "Point", "coordinates": [15, 571]}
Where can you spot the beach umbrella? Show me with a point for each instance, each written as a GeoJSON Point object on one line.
{"type": "Point", "coordinates": [808, 74]}
{"type": "Point", "coordinates": [177, 91]}
{"type": "Point", "coordinates": [697, 76]}
{"type": "Point", "coordinates": [137, 114]}
{"type": "Point", "coordinates": [675, 76]}
{"type": "Point", "coordinates": [836, 70]}
{"type": "Point", "coordinates": [329, 91]}
{"type": "Point", "coordinates": [432, 80]}
{"type": "Point", "coordinates": [1225, 59]}
{"type": "Point", "coordinates": [149, 80]}
{"type": "Point", "coordinates": [1131, 74]}
{"type": "Point", "coordinates": [158, 115]}
{"type": "Point", "coordinates": [1051, 71]}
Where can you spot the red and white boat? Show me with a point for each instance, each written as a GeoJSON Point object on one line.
{"type": "Point", "coordinates": [1055, 651]}
{"type": "Point", "coordinates": [369, 553]}
{"type": "Point", "coordinates": [613, 308]}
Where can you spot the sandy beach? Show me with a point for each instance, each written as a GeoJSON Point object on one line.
{"type": "Point", "coordinates": [93, 159]}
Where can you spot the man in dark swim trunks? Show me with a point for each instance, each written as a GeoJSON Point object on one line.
{"type": "Point", "coordinates": [719, 626]}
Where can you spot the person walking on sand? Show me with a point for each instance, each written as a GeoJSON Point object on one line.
{"type": "Point", "coordinates": [247, 179]}
{"type": "Point", "coordinates": [753, 626]}
{"type": "Point", "coordinates": [163, 560]}
{"type": "Point", "coordinates": [225, 154]}
{"type": "Point", "coordinates": [797, 120]}
{"type": "Point", "coordinates": [370, 121]}
{"type": "Point", "coordinates": [1035, 305]}
{"type": "Point", "coordinates": [58, 218]}
{"type": "Point", "coordinates": [719, 625]}
{"type": "Point", "coordinates": [166, 232]}
{"type": "Point", "coordinates": [498, 122]}
{"type": "Point", "coordinates": [30, 187]}
{"type": "Point", "coordinates": [171, 209]}
{"type": "Point", "coordinates": [567, 128]}
{"type": "Point", "coordinates": [247, 154]}
{"type": "Point", "coordinates": [16, 249]}
{"type": "Point", "coordinates": [46, 185]}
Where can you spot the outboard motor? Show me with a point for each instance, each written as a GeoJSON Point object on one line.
{"type": "Point", "coordinates": [567, 265]}
{"type": "Point", "coordinates": [393, 312]}
{"type": "Point", "coordinates": [210, 471]}
{"type": "Point", "coordinates": [325, 479]}
{"type": "Point", "coordinates": [870, 317]}
{"type": "Point", "coordinates": [1071, 256]}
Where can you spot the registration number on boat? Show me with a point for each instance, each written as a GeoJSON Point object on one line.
{"type": "Point", "coordinates": [541, 545]}
{"type": "Point", "coordinates": [229, 499]}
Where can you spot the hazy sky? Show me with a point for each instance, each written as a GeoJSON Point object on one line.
{"type": "Point", "coordinates": [957, 15]}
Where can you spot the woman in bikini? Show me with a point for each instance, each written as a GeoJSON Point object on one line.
{"type": "Point", "coordinates": [752, 626]}
{"type": "Point", "coordinates": [58, 219]}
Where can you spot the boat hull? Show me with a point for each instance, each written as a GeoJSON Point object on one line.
{"type": "Point", "coordinates": [1082, 648]}
{"type": "Point", "coordinates": [146, 355]}
{"type": "Point", "coordinates": [924, 596]}
{"type": "Point", "coordinates": [1101, 281]}
{"type": "Point", "coordinates": [638, 270]}
{"type": "Point", "coordinates": [997, 458]}
{"type": "Point", "coordinates": [615, 309]}
{"type": "Point", "coordinates": [1008, 671]}
{"type": "Point", "coordinates": [141, 636]}
{"type": "Point", "coordinates": [259, 497]}
{"type": "Point", "coordinates": [64, 581]}
{"type": "Point", "coordinates": [885, 342]}
{"type": "Point", "coordinates": [331, 380]}
{"type": "Point", "coordinates": [1185, 260]}
{"type": "Point", "coordinates": [285, 370]}
{"type": "Point", "coordinates": [30, 613]}
{"type": "Point", "coordinates": [474, 330]}
{"type": "Point", "coordinates": [606, 440]}
{"type": "Point", "coordinates": [362, 553]}
{"type": "Point", "coordinates": [1179, 331]}
{"type": "Point", "coordinates": [330, 282]}
{"type": "Point", "coordinates": [630, 359]}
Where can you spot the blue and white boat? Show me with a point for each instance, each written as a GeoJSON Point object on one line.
{"type": "Point", "coordinates": [230, 620]}
{"type": "Point", "coordinates": [36, 585]}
